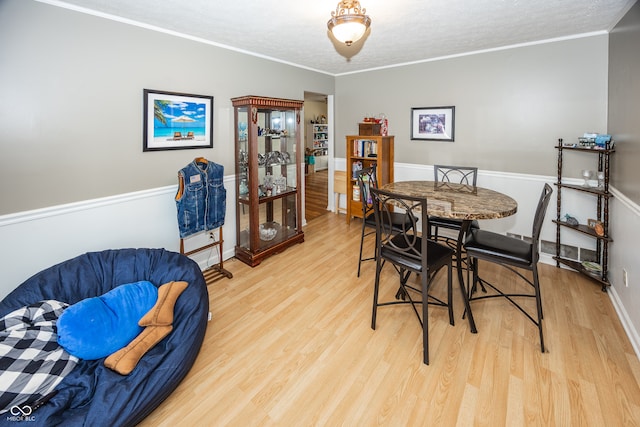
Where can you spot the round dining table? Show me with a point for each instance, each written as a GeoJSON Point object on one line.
{"type": "Point", "coordinates": [458, 201]}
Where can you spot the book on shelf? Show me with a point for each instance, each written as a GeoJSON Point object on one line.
{"type": "Point", "coordinates": [365, 148]}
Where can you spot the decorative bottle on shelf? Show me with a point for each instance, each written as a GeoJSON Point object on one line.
{"type": "Point", "coordinates": [384, 125]}
{"type": "Point", "coordinates": [355, 168]}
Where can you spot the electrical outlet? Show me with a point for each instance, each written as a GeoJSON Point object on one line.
{"type": "Point", "coordinates": [625, 278]}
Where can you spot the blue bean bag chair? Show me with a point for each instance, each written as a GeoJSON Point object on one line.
{"type": "Point", "coordinates": [91, 394]}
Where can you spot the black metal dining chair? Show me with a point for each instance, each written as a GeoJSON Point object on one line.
{"type": "Point", "coordinates": [457, 174]}
{"type": "Point", "coordinates": [410, 251]}
{"type": "Point", "coordinates": [367, 179]}
{"type": "Point", "coordinates": [511, 253]}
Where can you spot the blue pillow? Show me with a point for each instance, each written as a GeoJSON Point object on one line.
{"type": "Point", "coordinates": [96, 327]}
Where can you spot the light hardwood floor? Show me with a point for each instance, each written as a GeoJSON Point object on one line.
{"type": "Point", "coordinates": [290, 344]}
{"type": "Point", "coordinates": [316, 199]}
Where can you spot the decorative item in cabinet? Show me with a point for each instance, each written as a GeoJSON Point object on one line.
{"type": "Point", "coordinates": [597, 228]}
{"type": "Point", "coordinates": [362, 152]}
{"type": "Point", "coordinates": [268, 180]}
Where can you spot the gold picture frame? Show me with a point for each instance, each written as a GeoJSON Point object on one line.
{"type": "Point", "coordinates": [596, 226]}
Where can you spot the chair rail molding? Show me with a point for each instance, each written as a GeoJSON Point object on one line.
{"type": "Point", "coordinates": [36, 239]}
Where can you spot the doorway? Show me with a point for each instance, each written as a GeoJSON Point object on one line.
{"type": "Point", "coordinates": [318, 154]}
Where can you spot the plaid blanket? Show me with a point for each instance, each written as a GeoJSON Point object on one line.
{"type": "Point", "coordinates": [32, 363]}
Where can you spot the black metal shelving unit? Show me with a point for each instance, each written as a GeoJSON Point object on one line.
{"type": "Point", "coordinates": [602, 195]}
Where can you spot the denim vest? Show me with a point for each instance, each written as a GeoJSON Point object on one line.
{"type": "Point", "coordinates": [201, 199]}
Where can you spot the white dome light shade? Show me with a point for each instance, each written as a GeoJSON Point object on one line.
{"type": "Point", "coordinates": [346, 26]}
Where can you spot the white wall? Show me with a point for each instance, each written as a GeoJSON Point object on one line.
{"type": "Point", "coordinates": [34, 240]}
{"type": "Point", "coordinates": [71, 114]}
{"type": "Point", "coordinates": [623, 124]}
{"type": "Point", "coordinates": [625, 229]}
{"type": "Point", "coordinates": [624, 103]}
{"type": "Point", "coordinates": [511, 106]}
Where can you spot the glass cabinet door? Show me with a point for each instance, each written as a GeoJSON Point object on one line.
{"type": "Point", "coordinates": [242, 174]}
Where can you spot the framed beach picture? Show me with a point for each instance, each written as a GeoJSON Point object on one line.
{"type": "Point", "coordinates": [176, 121]}
{"type": "Point", "coordinates": [433, 123]}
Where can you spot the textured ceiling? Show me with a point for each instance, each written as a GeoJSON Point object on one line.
{"type": "Point", "coordinates": [402, 31]}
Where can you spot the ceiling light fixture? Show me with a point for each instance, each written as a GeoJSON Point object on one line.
{"type": "Point", "coordinates": [348, 23]}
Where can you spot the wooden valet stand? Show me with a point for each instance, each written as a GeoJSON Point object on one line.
{"type": "Point", "coordinates": [215, 272]}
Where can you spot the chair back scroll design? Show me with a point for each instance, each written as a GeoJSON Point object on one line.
{"type": "Point", "coordinates": [458, 174]}
{"type": "Point", "coordinates": [400, 242]}
{"type": "Point", "coordinates": [443, 175]}
{"type": "Point", "coordinates": [366, 179]}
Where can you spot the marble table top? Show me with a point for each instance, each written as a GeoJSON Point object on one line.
{"type": "Point", "coordinates": [460, 201]}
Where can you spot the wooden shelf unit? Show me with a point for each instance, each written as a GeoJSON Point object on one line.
{"type": "Point", "coordinates": [384, 152]}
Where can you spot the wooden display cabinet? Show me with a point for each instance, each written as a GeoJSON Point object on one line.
{"type": "Point", "coordinates": [268, 179]}
{"type": "Point", "coordinates": [366, 150]}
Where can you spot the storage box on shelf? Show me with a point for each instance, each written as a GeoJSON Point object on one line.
{"type": "Point", "coordinates": [268, 180]}
{"type": "Point", "coordinates": [363, 151]}
{"type": "Point", "coordinates": [369, 129]}
{"type": "Point", "coordinates": [597, 271]}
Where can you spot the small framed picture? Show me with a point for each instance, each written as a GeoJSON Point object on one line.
{"type": "Point", "coordinates": [176, 121]}
{"type": "Point", "coordinates": [596, 225]}
{"type": "Point", "coordinates": [433, 123]}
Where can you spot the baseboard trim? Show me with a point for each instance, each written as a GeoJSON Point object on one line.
{"type": "Point", "coordinates": [631, 331]}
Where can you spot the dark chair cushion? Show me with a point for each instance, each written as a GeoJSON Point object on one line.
{"type": "Point", "coordinates": [370, 220]}
{"type": "Point", "coordinates": [437, 255]}
{"type": "Point", "coordinates": [451, 223]}
{"type": "Point", "coordinates": [499, 248]}
{"type": "Point", "coordinates": [399, 221]}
